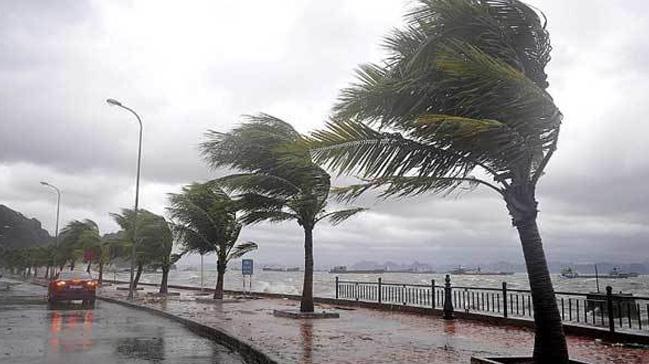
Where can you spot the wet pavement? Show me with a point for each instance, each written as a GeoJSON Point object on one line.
{"type": "Point", "coordinates": [369, 336]}
{"type": "Point", "coordinates": [33, 332]}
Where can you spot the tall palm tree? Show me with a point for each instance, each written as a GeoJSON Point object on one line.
{"type": "Point", "coordinates": [206, 222]}
{"type": "Point", "coordinates": [278, 181]}
{"type": "Point", "coordinates": [460, 101]}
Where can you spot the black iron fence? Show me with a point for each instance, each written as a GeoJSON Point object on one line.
{"type": "Point", "coordinates": [610, 310]}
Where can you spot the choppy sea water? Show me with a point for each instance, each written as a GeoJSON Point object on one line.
{"type": "Point", "coordinates": [324, 282]}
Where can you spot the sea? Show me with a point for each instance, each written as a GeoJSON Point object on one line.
{"type": "Point", "coordinates": [324, 282]}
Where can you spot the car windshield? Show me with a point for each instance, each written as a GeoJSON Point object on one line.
{"type": "Point", "coordinates": [74, 275]}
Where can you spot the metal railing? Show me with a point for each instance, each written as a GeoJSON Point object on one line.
{"type": "Point", "coordinates": [607, 310]}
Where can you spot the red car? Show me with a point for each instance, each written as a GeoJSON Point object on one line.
{"type": "Point", "coordinates": [70, 286]}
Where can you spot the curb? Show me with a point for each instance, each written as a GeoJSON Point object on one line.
{"type": "Point", "coordinates": [248, 352]}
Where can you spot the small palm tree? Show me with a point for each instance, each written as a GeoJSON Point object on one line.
{"type": "Point", "coordinates": [152, 233]}
{"type": "Point", "coordinates": [157, 232]}
{"type": "Point", "coordinates": [460, 102]}
{"type": "Point", "coordinates": [279, 181]}
{"type": "Point", "coordinates": [76, 238]}
{"type": "Point", "coordinates": [206, 222]}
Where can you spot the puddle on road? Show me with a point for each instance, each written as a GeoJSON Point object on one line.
{"type": "Point", "coordinates": [141, 348]}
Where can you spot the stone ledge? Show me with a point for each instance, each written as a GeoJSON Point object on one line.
{"type": "Point", "coordinates": [296, 314]}
{"type": "Point", "coordinates": [158, 294]}
{"type": "Point", "coordinates": [200, 299]}
{"type": "Point", "coordinates": [511, 360]}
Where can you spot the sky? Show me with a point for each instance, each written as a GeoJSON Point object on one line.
{"type": "Point", "coordinates": [190, 66]}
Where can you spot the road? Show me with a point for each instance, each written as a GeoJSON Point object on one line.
{"type": "Point", "coordinates": [32, 332]}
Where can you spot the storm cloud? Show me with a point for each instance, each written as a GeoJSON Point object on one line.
{"type": "Point", "coordinates": [200, 65]}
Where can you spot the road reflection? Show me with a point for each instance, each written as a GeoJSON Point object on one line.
{"type": "Point", "coordinates": [70, 328]}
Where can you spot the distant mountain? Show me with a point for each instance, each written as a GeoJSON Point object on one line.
{"type": "Point", "coordinates": [18, 231]}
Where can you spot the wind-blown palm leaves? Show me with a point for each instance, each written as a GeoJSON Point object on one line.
{"type": "Point", "coordinates": [462, 95]}
{"type": "Point", "coordinates": [277, 182]}
{"type": "Point", "coordinates": [77, 237]}
{"type": "Point", "coordinates": [205, 221]}
{"type": "Point", "coordinates": [157, 234]}
{"type": "Point", "coordinates": [153, 238]}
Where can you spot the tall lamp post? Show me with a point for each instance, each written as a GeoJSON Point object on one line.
{"type": "Point", "coordinates": [114, 102]}
{"type": "Point", "coordinates": [58, 209]}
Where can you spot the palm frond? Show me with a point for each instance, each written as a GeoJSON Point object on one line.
{"type": "Point", "coordinates": [242, 249]}
{"type": "Point", "coordinates": [400, 186]}
{"type": "Point", "coordinates": [336, 217]}
{"type": "Point", "coordinates": [257, 216]}
{"type": "Point", "coordinates": [269, 184]}
{"type": "Point", "coordinates": [353, 147]}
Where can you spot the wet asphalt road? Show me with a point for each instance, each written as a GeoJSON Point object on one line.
{"type": "Point", "coordinates": [32, 332]}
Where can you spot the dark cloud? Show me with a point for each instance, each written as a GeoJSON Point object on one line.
{"type": "Point", "coordinates": [192, 68]}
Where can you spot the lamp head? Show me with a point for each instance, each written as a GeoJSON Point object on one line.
{"type": "Point", "coordinates": [113, 102]}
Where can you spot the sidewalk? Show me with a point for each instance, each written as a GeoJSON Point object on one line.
{"type": "Point", "coordinates": [366, 336]}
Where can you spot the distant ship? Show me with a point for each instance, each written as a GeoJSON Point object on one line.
{"type": "Point", "coordinates": [275, 269]}
{"type": "Point", "coordinates": [477, 272]}
{"type": "Point", "coordinates": [613, 273]}
{"type": "Point", "coordinates": [569, 273]}
{"type": "Point", "coordinates": [343, 270]}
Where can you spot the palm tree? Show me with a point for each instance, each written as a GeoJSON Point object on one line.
{"type": "Point", "coordinates": [157, 231]}
{"type": "Point", "coordinates": [205, 222]}
{"type": "Point", "coordinates": [278, 181]}
{"type": "Point", "coordinates": [460, 102]}
{"type": "Point", "coordinates": [76, 238]}
{"type": "Point", "coordinates": [152, 233]}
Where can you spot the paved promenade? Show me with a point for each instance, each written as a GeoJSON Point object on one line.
{"type": "Point", "coordinates": [367, 336]}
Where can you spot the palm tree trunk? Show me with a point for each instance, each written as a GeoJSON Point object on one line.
{"type": "Point", "coordinates": [163, 283]}
{"type": "Point", "coordinates": [549, 342]}
{"type": "Point", "coordinates": [220, 273]}
{"type": "Point", "coordinates": [47, 271]}
{"type": "Point", "coordinates": [138, 274]}
{"type": "Point", "coordinates": [101, 272]}
{"type": "Point", "coordinates": [307, 290]}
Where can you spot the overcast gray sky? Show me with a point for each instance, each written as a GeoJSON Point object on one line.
{"type": "Point", "coordinates": [193, 65]}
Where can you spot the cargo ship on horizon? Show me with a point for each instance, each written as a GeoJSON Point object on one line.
{"type": "Point", "coordinates": [477, 272]}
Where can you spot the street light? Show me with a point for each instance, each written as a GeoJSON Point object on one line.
{"type": "Point", "coordinates": [114, 102]}
{"type": "Point", "coordinates": [58, 209]}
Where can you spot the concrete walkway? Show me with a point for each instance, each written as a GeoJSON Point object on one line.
{"type": "Point", "coordinates": [367, 336]}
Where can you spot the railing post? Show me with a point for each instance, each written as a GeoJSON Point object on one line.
{"type": "Point", "coordinates": [448, 305]}
{"type": "Point", "coordinates": [432, 292]}
{"type": "Point", "coordinates": [336, 287]}
{"type": "Point", "coordinates": [505, 299]}
{"type": "Point", "coordinates": [379, 296]}
{"type": "Point", "coordinates": [356, 290]}
{"type": "Point", "coordinates": [609, 307]}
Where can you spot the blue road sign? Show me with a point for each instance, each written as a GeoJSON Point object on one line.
{"type": "Point", "coordinates": [246, 267]}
